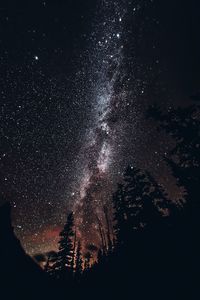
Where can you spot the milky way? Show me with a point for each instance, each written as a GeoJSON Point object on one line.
{"type": "Point", "coordinates": [74, 88]}
{"type": "Point", "coordinates": [100, 147]}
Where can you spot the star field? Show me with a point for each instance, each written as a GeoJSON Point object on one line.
{"type": "Point", "coordinates": [74, 87]}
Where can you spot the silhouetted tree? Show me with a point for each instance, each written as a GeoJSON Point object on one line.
{"type": "Point", "coordinates": [141, 206]}
{"type": "Point", "coordinates": [120, 216]}
{"type": "Point", "coordinates": [102, 235]}
{"type": "Point", "coordinates": [108, 229]}
{"type": "Point", "coordinates": [73, 260]}
{"type": "Point", "coordinates": [63, 265]}
{"type": "Point", "coordinates": [87, 262]}
{"type": "Point", "coordinates": [100, 256]}
{"type": "Point", "coordinates": [79, 261]}
{"type": "Point", "coordinates": [51, 260]}
{"type": "Point", "coordinates": [136, 187]}
{"type": "Point", "coordinates": [128, 203]}
{"type": "Point", "coordinates": [158, 198]}
{"type": "Point", "coordinates": [183, 125]}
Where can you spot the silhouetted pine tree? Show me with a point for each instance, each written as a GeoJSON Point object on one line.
{"type": "Point", "coordinates": [100, 256]}
{"type": "Point", "coordinates": [73, 260]}
{"type": "Point", "coordinates": [140, 203]}
{"type": "Point", "coordinates": [102, 235]}
{"type": "Point", "coordinates": [136, 189]}
{"type": "Point", "coordinates": [63, 265]}
{"type": "Point", "coordinates": [120, 216]}
{"type": "Point", "coordinates": [87, 262]}
{"type": "Point", "coordinates": [183, 125]}
{"type": "Point", "coordinates": [158, 199]}
{"type": "Point", "coordinates": [128, 202]}
{"type": "Point", "coordinates": [51, 260]}
{"type": "Point", "coordinates": [141, 207]}
{"type": "Point", "coordinates": [78, 261]}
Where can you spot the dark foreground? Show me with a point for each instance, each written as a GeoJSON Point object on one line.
{"type": "Point", "coordinates": [145, 276]}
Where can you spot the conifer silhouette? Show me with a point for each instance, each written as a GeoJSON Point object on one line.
{"type": "Point", "coordinates": [63, 265]}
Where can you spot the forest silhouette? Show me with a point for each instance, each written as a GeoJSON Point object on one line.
{"type": "Point", "coordinates": [149, 246]}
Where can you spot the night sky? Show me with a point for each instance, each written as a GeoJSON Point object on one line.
{"type": "Point", "coordinates": [76, 78]}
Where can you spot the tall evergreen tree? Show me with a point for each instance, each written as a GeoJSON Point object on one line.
{"type": "Point", "coordinates": [140, 201]}
{"type": "Point", "coordinates": [136, 188]}
{"type": "Point", "coordinates": [120, 216]}
{"type": "Point", "coordinates": [73, 260]}
{"type": "Point", "coordinates": [108, 230]}
{"type": "Point", "coordinates": [63, 265]}
{"type": "Point", "coordinates": [79, 261]}
{"type": "Point", "coordinates": [183, 125]}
